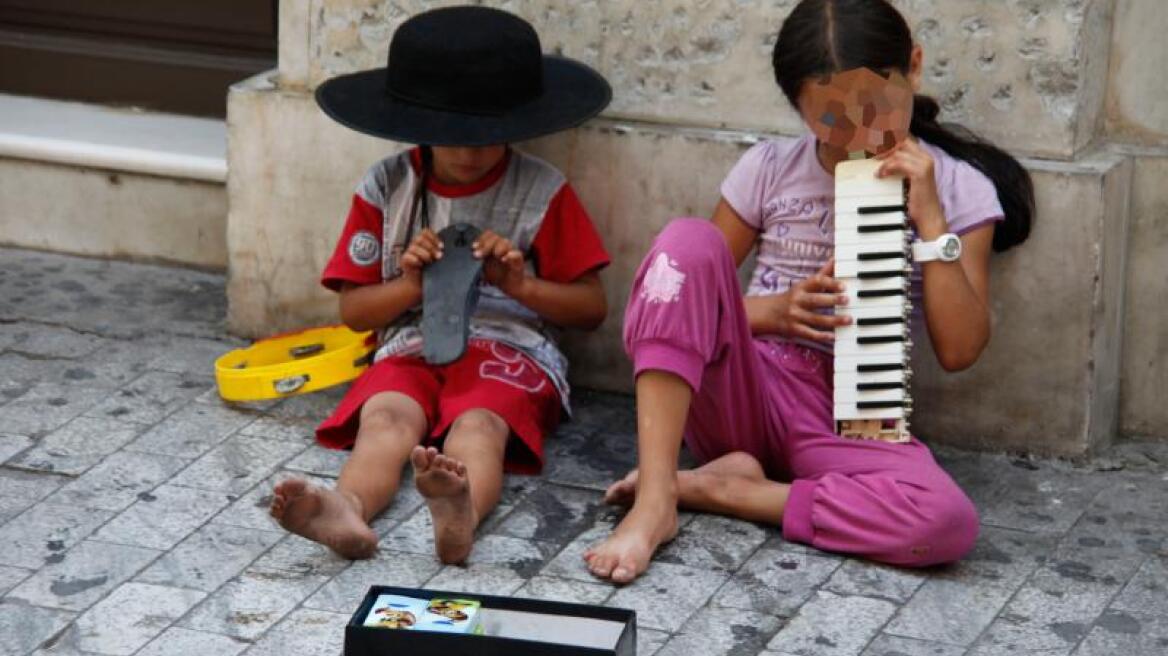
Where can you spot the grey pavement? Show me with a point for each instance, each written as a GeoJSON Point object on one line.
{"type": "Point", "coordinates": [133, 516]}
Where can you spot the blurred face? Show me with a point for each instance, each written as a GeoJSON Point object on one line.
{"type": "Point", "coordinates": [858, 110]}
{"type": "Point", "coordinates": [462, 165]}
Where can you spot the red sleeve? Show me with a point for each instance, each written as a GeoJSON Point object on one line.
{"type": "Point", "coordinates": [357, 256]}
{"type": "Point", "coordinates": [567, 245]}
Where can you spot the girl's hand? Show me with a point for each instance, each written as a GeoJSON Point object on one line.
{"type": "Point", "coordinates": [916, 166]}
{"type": "Point", "coordinates": [425, 249]}
{"type": "Point", "coordinates": [502, 263]}
{"type": "Point", "coordinates": [799, 316]}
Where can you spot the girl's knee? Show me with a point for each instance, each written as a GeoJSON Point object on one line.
{"type": "Point", "coordinates": [691, 241]}
{"type": "Point", "coordinates": [945, 533]}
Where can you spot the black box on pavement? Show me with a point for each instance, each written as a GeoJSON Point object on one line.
{"type": "Point", "coordinates": [508, 626]}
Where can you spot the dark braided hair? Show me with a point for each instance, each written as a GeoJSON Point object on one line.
{"type": "Point", "coordinates": [822, 37]}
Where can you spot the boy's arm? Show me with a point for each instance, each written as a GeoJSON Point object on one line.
{"type": "Point", "coordinates": [369, 307]}
{"type": "Point", "coordinates": [580, 303]}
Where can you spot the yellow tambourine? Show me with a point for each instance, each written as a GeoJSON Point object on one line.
{"type": "Point", "coordinates": [293, 363]}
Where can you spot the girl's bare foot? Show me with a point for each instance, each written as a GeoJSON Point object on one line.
{"type": "Point", "coordinates": [442, 481]}
{"type": "Point", "coordinates": [690, 481]}
{"type": "Point", "coordinates": [325, 516]}
{"type": "Point", "coordinates": [626, 553]}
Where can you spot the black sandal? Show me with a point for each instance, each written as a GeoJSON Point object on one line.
{"type": "Point", "coordinates": [450, 293]}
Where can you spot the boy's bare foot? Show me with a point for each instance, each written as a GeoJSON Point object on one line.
{"type": "Point", "coordinates": [626, 553]}
{"type": "Point", "coordinates": [325, 516]}
{"type": "Point", "coordinates": [442, 480]}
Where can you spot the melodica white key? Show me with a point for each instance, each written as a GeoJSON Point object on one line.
{"type": "Point", "coordinates": [872, 238]}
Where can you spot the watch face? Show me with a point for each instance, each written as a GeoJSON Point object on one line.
{"type": "Point", "coordinates": [950, 248]}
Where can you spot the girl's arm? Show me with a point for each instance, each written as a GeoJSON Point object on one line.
{"type": "Point", "coordinates": [370, 307]}
{"type": "Point", "coordinates": [956, 293]}
{"type": "Point", "coordinates": [577, 304]}
{"type": "Point", "coordinates": [791, 313]}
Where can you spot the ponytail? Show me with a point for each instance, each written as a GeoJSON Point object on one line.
{"type": "Point", "coordinates": [1012, 182]}
{"type": "Point", "coordinates": [821, 37]}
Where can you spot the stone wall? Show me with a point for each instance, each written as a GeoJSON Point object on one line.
{"type": "Point", "coordinates": [693, 88]}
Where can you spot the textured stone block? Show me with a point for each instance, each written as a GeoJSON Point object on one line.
{"type": "Point", "coordinates": [1131, 634]}
{"type": "Point", "coordinates": [1147, 592]}
{"type": "Point", "coordinates": [710, 541]}
{"type": "Point", "coordinates": [78, 445]}
{"type": "Point", "coordinates": [307, 632]}
{"type": "Point", "coordinates": [859, 577]}
{"type": "Point", "coordinates": [722, 632]}
{"type": "Point", "coordinates": [236, 464]}
{"type": "Point", "coordinates": [1145, 346]}
{"type": "Point", "coordinates": [11, 445]}
{"type": "Point", "coordinates": [161, 518]}
{"type": "Point", "coordinates": [1136, 84]}
{"type": "Point", "coordinates": [886, 645]}
{"type": "Point", "coordinates": [46, 406]}
{"type": "Point", "coordinates": [10, 576]}
{"type": "Point", "coordinates": [209, 557]}
{"type": "Point", "coordinates": [192, 431]}
{"type": "Point", "coordinates": [345, 591]}
{"type": "Point", "coordinates": [1057, 328]}
{"type": "Point", "coordinates": [131, 616]}
{"type": "Point", "coordinates": [24, 627]}
{"type": "Point", "coordinates": [1032, 75]}
{"type": "Point", "coordinates": [118, 480]}
{"type": "Point", "coordinates": [44, 531]}
{"type": "Point", "coordinates": [183, 642]}
{"type": "Point", "coordinates": [776, 582]}
{"type": "Point", "coordinates": [151, 397]}
{"type": "Point", "coordinates": [948, 611]}
{"type": "Point", "coordinates": [667, 594]}
{"type": "Point", "coordinates": [831, 625]}
{"type": "Point", "coordinates": [557, 589]}
{"type": "Point", "coordinates": [250, 604]}
{"type": "Point", "coordinates": [83, 575]}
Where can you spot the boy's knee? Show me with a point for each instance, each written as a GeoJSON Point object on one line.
{"type": "Point", "coordinates": [478, 422]}
{"type": "Point", "coordinates": [388, 413]}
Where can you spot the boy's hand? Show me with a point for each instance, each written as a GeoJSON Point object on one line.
{"type": "Point", "coordinates": [425, 249]}
{"type": "Point", "coordinates": [502, 263]}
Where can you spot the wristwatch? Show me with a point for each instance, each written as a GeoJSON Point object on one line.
{"type": "Point", "coordinates": [946, 248]}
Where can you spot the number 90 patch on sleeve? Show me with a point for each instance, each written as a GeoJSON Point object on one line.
{"type": "Point", "coordinates": [364, 248]}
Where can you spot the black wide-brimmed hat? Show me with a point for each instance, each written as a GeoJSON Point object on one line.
{"type": "Point", "coordinates": [466, 76]}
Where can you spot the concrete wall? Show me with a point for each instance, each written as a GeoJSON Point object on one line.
{"type": "Point", "coordinates": [112, 214]}
{"type": "Point", "coordinates": [693, 89]}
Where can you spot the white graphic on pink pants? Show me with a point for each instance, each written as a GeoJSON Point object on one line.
{"type": "Point", "coordinates": [513, 369]}
{"type": "Point", "coordinates": [662, 283]}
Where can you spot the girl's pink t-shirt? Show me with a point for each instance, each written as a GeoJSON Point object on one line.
{"type": "Point", "coordinates": [780, 189]}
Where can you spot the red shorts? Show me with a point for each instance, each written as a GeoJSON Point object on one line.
{"type": "Point", "coordinates": [490, 376]}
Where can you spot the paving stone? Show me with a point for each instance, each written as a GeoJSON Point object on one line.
{"type": "Point", "coordinates": [346, 590]}
{"type": "Point", "coordinates": [161, 518]}
{"type": "Point", "coordinates": [858, 577]}
{"type": "Point", "coordinates": [151, 397]}
{"type": "Point", "coordinates": [11, 576]}
{"type": "Point", "coordinates": [301, 557]}
{"type": "Point", "coordinates": [722, 631]}
{"type": "Point", "coordinates": [1052, 611]}
{"type": "Point", "coordinates": [250, 604]}
{"type": "Point", "coordinates": [949, 611]}
{"type": "Point", "coordinates": [12, 506]}
{"type": "Point", "coordinates": [183, 355]}
{"type": "Point", "coordinates": [589, 456]}
{"type": "Point", "coordinates": [24, 627]}
{"type": "Point", "coordinates": [191, 432]}
{"type": "Point", "coordinates": [78, 445]}
{"type": "Point", "coordinates": [477, 578]}
{"type": "Point", "coordinates": [888, 645]}
{"type": "Point", "coordinates": [832, 625]}
{"type": "Point", "coordinates": [998, 650]}
{"type": "Point", "coordinates": [414, 535]}
{"type": "Point", "coordinates": [132, 616]}
{"type": "Point", "coordinates": [11, 445]}
{"type": "Point", "coordinates": [313, 408]}
{"type": "Point", "coordinates": [1001, 557]}
{"type": "Point", "coordinates": [556, 589]}
{"type": "Point", "coordinates": [83, 575]}
{"type": "Point", "coordinates": [50, 342]}
{"type": "Point", "coordinates": [30, 486]}
{"type": "Point", "coordinates": [1147, 591]}
{"type": "Point", "coordinates": [552, 513]}
{"type": "Point", "coordinates": [304, 633]}
{"type": "Point", "coordinates": [210, 556]}
{"type": "Point", "coordinates": [185, 642]}
{"type": "Point", "coordinates": [1045, 499]}
{"type": "Point", "coordinates": [650, 641]}
{"type": "Point", "coordinates": [319, 461]}
{"type": "Point", "coordinates": [236, 465]}
{"type": "Point", "coordinates": [46, 406]}
{"type": "Point", "coordinates": [714, 541]}
{"type": "Point", "coordinates": [1127, 633]}
{"type": "Point", "coordinates": [287, 429]}
{"type": "Point", "coordinates": [117, 481]}
{"type": "Point", "coordinates": [406, 503]}
{"type": "Point", "coordinates": [775, 582]}
{"type": "Point", "coordinates": [569, 563]}
{"type": "Point", "coordinates": [44, 531]}
{"type": "Point", "coordinates": [667, 594]}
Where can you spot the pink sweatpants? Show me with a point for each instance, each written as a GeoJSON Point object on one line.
{"type": "Point", "coordinates": [773, 399]}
